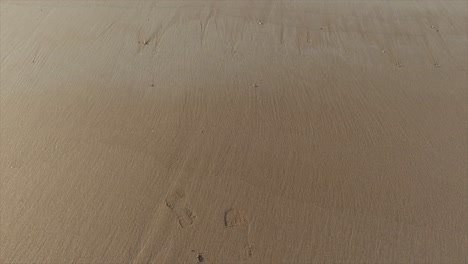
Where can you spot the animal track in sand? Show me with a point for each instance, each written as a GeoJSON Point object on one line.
{"type": "Point", "coordinates": [184, 215]}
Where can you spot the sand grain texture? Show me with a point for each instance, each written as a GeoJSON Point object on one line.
{"type": "Point", "coordinates": [233, 131]}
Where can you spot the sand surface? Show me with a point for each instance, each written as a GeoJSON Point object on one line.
{"type": "Point", "coordinates": [260, 131]}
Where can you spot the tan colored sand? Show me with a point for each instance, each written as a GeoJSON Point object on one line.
{"type": "Point", "coordinates": [234, 131]}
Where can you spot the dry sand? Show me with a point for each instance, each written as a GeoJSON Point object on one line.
{"type": "Point", "coordinates": [234, 131]}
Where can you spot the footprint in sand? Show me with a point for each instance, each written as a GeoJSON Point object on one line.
{"type": "Point", "coordinates": [175, 197]}
{"type": "Point", "coordinates": [233, 218]}
{"type": "Point", "coordinates": [184, 215]}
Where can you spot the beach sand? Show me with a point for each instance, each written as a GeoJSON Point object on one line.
{"type": "Point", "coordinates": [233, 131]}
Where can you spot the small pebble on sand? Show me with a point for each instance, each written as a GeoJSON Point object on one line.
{"type": "Point", "coordinates": [200, 258]}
